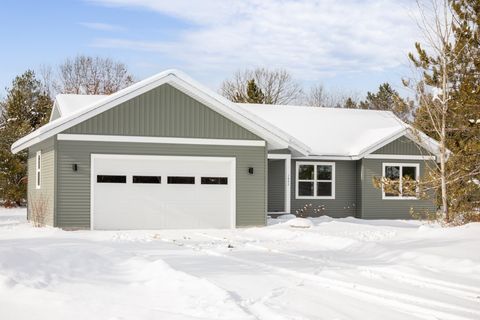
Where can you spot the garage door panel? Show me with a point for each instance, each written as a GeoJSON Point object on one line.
{"type": "Point", "coordinates": [162, 205]}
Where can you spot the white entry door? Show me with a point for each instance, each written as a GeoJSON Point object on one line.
{"type": "Point", "coordinates": [162, 192]}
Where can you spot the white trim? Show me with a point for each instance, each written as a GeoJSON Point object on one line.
{"type": "Point", "coordinates": [55, 107]}
{"type": "Point", "coordinates": [92, 189]}
{"type": "Point", "coordinates": [219, 104]}
{"type": "Point", "coordinates": [38, 169]}
{"type": "Point", "coordinates": [401, 165]}
{"type": "Point", "coordinates": [315, 164]}
{"type": "Point", "coordinates": [279, 155]}
{"type": "Point", "coordinates": [170, 140]}
{"type": "Point", "coordinates": [327, 158]}
{"type": "Point", "coordinates": [399, 157]}
{"type": "Point", "coordinates": [233, 166]}
{"type": "Point", "coordinates": [288, 187]}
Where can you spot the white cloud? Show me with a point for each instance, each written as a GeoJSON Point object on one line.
{"type": "Point", "coordinates": [310, 38]}
{"type": "Point", "coordinates": [101, 26]}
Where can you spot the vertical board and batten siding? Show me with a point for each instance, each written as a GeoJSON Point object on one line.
{"type": "Point", "coordinates": [47, 179]}
{"type": "Point", "coordinates": [402, 146]}
{"type": "Point", "coordinates": [163, 112]}
{"type": "Point", "coordinates": [345, 201]}
{"type": "Point", "coordinates": [276, 186]}
{"type": "Point", "coordinates": [372, 204]}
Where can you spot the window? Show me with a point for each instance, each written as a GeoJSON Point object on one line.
{"type": "Point", "coordinates": [147, 179]}
{"type": "Point", "coordinates": [38, 169]}
{"type": "Point", "coordinates": [111, 179]}
{"type": "Point", "coordinates": [315, 180]}
{"type": "Point", "coordinates": [214, 180]}
{"type": "Point", "coordinates": [181, 180]}
{"type": "Point", "coordinates": [403, 177]}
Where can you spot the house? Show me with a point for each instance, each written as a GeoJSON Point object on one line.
{"type": "Point", "coordinates": [167, 152]}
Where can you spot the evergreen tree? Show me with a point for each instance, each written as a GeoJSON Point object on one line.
{"type": "Point", "coordinates": [253, 94]}
{"type": "Point", "coordinates": [277, 86]}
{"type": "Point", "coordinates": [449, 102]}
{"type": "Point", "coordinates": [350, 103]}
{"type": "Point", "coordinates": [26, 107]}
{"type": "Point", "coordinates": [387, 99]}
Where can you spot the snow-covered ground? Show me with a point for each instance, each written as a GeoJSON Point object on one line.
{"type": "Point", "coordinates": [337, 269]}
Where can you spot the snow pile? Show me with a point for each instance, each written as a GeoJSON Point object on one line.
{"type": "Point", "coordinates": [300, 223]}
{"type": "Point", "coordinates": [385, 269]}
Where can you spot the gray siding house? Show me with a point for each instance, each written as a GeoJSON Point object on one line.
{"type": "Point", "coordinates": [169, 153]}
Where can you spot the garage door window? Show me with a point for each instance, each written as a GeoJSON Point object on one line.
{"type": "Point", "coordinates": [181, 180]}
{"type": "Point", "coordinates": [214, 180]}
{"type": "Point", "coordinates": [111, 179]}
{"type": "Point", "coordinates": [147, 179]}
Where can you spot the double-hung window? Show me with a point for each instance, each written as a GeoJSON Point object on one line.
{"type": "Point", "coordinates": [38, 169]}
{"type": "Point", "coordinates": [402, 180]}
{"type": "Point", "coordinates": [315, 180]}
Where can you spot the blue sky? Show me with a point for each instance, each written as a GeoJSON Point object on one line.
{"type": "Point", "coordinates": [346, 45]}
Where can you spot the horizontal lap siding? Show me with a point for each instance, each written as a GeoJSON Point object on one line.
{"type": "Point", "coordinates": [73, 206]}
{"type": "Point", "coordinates": [345, 200]}
{"type": "Point", "coordinates": [358, 186]}
{"type": "Point", "coordinates": [161, 112]}
{"type": "Point", "coordinates": [374, 207]}
{"type": "Point", "coordinates": [47, 178]}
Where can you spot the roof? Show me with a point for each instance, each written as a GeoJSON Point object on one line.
{"type": "Point", "coordinates": [76, 112]}
{"type": "Point", "coordinates": [307, 131]}
{"type": "Point", "coordinates": [67, 104]}
{"type": "Point", "coordinates": [332, 131]}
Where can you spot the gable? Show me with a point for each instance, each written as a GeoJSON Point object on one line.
{"type": "Point", "coordinates": [402, 146]}
{"type": "Point", "coordinates": [55, 113]}
{"type": "Point", "coordinates": [163, 111]}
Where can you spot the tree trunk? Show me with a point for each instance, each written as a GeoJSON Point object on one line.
{"type": "Point", "coordinates": [443, 137]}
{"type": "Point", "coordinates": [443, 178]}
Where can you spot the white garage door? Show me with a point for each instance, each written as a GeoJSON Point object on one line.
{"type": "Point", "coordinates": [162, 192]}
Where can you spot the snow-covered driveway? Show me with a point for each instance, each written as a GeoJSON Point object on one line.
{"type": "Point", "coordinates": [339, 269]}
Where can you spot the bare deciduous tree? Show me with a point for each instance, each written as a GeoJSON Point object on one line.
{"type": "Point", "coordinates": [434, 86]}
{"type": "Point", "coordinates": [87, 75]}
{"type": "Point", "coordinates": [277, 86]}
{"type": "Point", "coordinates": [318, 96]}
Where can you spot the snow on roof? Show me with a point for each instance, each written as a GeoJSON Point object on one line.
{"type": "Point", "coordinates": [307, 131]}
{"type": "Point", "coordinates": [70, 103]}
{"type": "Point", "coordinates": [331, 131]}
{"type": "Point", "coordinates": [76, 113]}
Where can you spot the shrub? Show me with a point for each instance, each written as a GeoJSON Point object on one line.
{"type": "Point", "coordinates": [38, 210]}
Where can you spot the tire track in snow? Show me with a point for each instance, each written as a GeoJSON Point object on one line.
{"type": "Point", "coordinates": [410, 303]}
{"type": "Point", "coordinates": [468, 292]}
{"type": "Point", "coordinates": [255, 308]}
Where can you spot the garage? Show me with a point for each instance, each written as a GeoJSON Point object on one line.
{"type": "Point", "coordinates": [162, 192]}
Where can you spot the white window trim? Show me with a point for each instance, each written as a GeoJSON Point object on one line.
{"type": "Point", "coordinates": [315, 164]}
{"type": "Point", "coordinates": [401, 165]}
{"type": "Point", "coordinates": [38, 169]}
